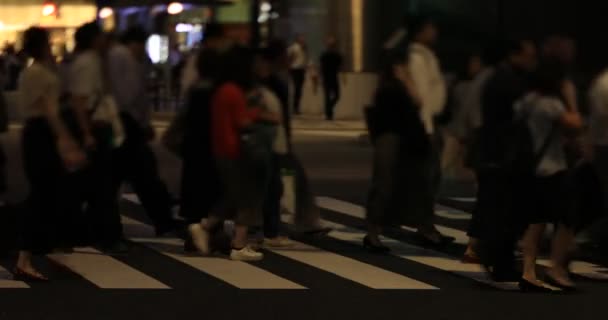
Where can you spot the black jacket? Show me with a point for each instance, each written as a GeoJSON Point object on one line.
{"type": "Point", "coordinates": [395, 112]}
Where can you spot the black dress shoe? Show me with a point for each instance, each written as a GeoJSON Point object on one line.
{"type": "Point", "coordinates": [367, 244]}
{"type": "Point", "coordinates": [529, 287]}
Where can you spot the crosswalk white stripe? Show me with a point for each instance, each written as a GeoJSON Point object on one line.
{"type": "Point", "coordinates": [104, 271]}
{"type": "Point", "coordinates": [351, 269]}
{"type": "Point", "coordinates": [238, 274]}
{"type": "Point", "coordinates": [418, 254]}
{"type": "Point", "coordinates": [452, 214]}
{"type": "Point", "coordinates": [582, 268]}
{"type": "Point", "coordinates": [7, 282]}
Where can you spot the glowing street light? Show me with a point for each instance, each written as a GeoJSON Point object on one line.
{"type": "Point", "coordinates": [175, 8]}
{"type": "Point", "coordinates": [49, 9]}
{"type": "Point", "coordinates": [105, 13]}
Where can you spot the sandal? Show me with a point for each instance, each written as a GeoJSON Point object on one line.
{"type": "Point", "coordinates": [25, 276]}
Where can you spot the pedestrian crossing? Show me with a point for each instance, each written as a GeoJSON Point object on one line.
{"type": "Point", "coordinates": [346, 268]}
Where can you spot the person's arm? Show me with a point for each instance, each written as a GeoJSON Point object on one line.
{"type": "Point", "coordinates": [419, 84]}
{"type": "Point", "coordinates": [570, 96]}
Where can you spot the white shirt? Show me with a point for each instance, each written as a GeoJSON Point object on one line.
{"type": "Point", "coordinates": [38, 81]}
{"type": "Point", "coordinates": [86, 78]}
{"type": "Point", "coordinates": [426, 74]}
{"type": "Point", "coordinates": [543, 115]}
{"type": "Point", "coordinates": [128, 84]}
{"type": "Point", "coordinates": [598, 98]}
{"type": "Point", "coordinates": [299, 58]}
{"type": "Point", "coordinates": [273, 104]}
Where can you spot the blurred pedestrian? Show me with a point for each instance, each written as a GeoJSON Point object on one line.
{"type": "Point", "coordinates": [331, 66]}
{"type": "Point", "coordinates": [496, 222]}
{"type": "Point", "coordinates": [50, 156]}
{"type": "Point", "coordinates": [401, 148]}
{"type": "Point", "coordinates": [548, 195]}
{"type": "Point", "coordinates": [298, 57]}
{"type": "Point", "coordinates": [135, 161]}
{"type": "Point", "coordinates": [264, 69]}
{"type": "Point", "coordinates": [431, 88]}
{"type": "Point", "coordinates": [92, 113]}
{"type": "Point", "coordinates": [241, 152]}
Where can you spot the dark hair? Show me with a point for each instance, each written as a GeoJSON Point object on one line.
{"type": "Point", "coordinates": [134, 34]}
{"type": "Point", "coordinates": [236, 66]}
{"type": "Point", "coordinates": [86, 35]}
{"type": "Point", "coordinates": [274, 50]}
{"type": "Point", "coordinates": [515, 46]}
{"type": "Point", "coordinates": [416, 24]}
{"type": "Point", "coordinates": [208, 64]}
{"type": "Point", "coordinates": [549, 77]}
{"type": "Point", "coordinates": [35, 42]}
{"type": "Point", "coordinates": [391, 59]}
{"type": "Point", "coordinates": [214, 30]}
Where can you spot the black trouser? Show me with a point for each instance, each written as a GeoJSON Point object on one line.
{"type": "Point", "coordinates": [272, 203]}
{"type": "Point", "coordinates": [136, 164]}
{"type": "Point", "coordinates": [331, 87]}
{"type": "Point", "coordinates": [96, 185]}
{"type": "Point", "coordinates": [52, 209]}
{"type": "Point", "coordinates": [298, 76]}
{"type": "Point", "coordinates": [495, 221]}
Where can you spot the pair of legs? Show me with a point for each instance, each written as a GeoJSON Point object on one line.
{"type": "Point", "coordinates": [553, 203]}
{"type": "Point", "coordinates": [298, 77]}
{"type": "Point", "coordinates": [135, 163]}
{"type": "Point", "coordinates": [561, 249]}
{"type": "Point", "coordinates": [331, 88]}
{"type": "Point", "coordinates": [53, 211]}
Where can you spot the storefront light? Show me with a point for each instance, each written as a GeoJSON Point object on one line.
{"type": "Point", "coordinates": [266, 7]}
{"type": "Point", "coordinates": [1, 25]}
{"type": "Point", "coordinates": [184, 27]}
{"type": "Point", "coordinates": [175, 8]}
{"type": "Point", "coordinates": [105, 13]}
{"type": "Point", "coordinates": [49, 9]}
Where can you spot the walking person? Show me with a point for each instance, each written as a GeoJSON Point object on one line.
{"type": "Point", "coordinates": [431, 88]}
{"type": "Point", "coordinates": [547, 193]}
{"type": "Point", "coordinates": [298, 57]}
{"type": "Point", "coordinates": [331, 66]}
{"type": "Point", "coordinates": [89, 96]}
{"type": "Point", "coordinates": [50, 156]}
{"type": "Point", "coordinates": [401, 148]}
{"type": "Point", "coordinates": [264, 68]}
{"type": "Point", "coordinates": [135, 161]}
{"type": "Point", "coordinates": [494, 208]}
{"type": "Point", "coordinates": [241, 152]}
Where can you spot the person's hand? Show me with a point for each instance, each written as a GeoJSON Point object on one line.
{"type": "Point", "coordinates": [71, 154]}
{"type": "Point", "coordinates": [150, 133]}
{"type": "Point", "coordinates": [89, 141]}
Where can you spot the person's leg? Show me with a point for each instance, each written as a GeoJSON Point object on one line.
{"type": "Point", "coordinates": [140, 169]}
{"type": "Point", "coordinates": [531, 242]}
{"type": "Point", "coordinates": [298, 82]}
{"type": "Point", "coordinates": [102, 200]}
{"type": "Point", "coordinates": [560, 254]}
{"type": "Point", "coordinates": [328, 94]}
{"type": "Point", "coordinates": [386, 151]}
{"type": "Point", "coordinates": [272, 203]}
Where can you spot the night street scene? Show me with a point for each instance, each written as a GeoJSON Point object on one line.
{"type": "Point", "coordinates": [303, 159]}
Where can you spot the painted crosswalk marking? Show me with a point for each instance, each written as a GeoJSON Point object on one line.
{"type": "Point", "coordinates": [238, 274]}
{"type": "Point", "coordinates": [7, 282]}
{"type": "Point", "coordinates": [585, 269]}
{"type": "Point", "coordinates": [104, 271]}
{"type": "Point", "coordinates": [362, 273]}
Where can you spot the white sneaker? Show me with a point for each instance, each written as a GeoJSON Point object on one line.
{"type": "Point", "coordinates": [279, 242]}
{"type": "Point", "coordinates": [200, 238]}
{"type": "Point", "coordinates": [246, 254]}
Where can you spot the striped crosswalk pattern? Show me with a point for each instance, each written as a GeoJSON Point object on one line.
{"type": "Point", "coordinates": [315, 259]}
